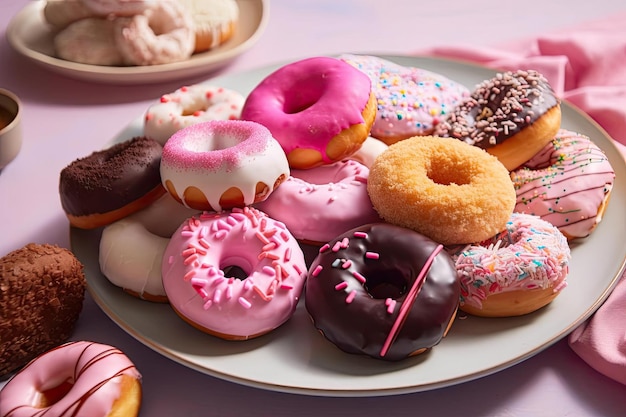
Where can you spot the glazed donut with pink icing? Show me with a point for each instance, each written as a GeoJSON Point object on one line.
{"type": "Point", "coordinates": [203, 293]}
{"type": "Point", "coordinates": [190, 105]}
{"type": "Point", "coordinates": [320, 110]}
{"type": "Point", "coordinates": [568, 183]}
{"type": "Point", "coordinates": [221, 164]}
{"type": "Point", "coordinates": [518, 271]}
{"type": "Point", "coordinates": [410, 101]}
{"type": "Point", "coordinates": [161, 34]}
{"type": "Point", "coordinates": [131, 249]}
{"type": "Point", "coordinates": [319, 203]}
{"type": "Point", "coordinates": [74, 379]}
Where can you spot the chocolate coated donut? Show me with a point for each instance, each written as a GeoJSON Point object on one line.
{"type": "Point", "coordinates": [372, 291]}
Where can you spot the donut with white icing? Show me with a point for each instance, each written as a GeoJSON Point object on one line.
{"type": "Point", "coordinates": [189, 105]}
{"type": "Point", "coordinates": [221, 164]}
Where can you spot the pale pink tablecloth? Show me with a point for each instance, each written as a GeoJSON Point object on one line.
{"type": "Point", "coordinates": [586, 65]}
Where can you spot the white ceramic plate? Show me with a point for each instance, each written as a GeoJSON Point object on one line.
{"type": "Point", "coordinates": [295, 358]}
{"type": "Point", "coordinates": [31, 37]}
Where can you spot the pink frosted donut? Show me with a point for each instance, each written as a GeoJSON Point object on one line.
{"type": "Point", "coordinates": [568, 183]}
{"type": "Point", "coordinates": [202, 293]}
{"type": "Point", "coordinates": [318, 204]}
{"type": "Point", "coordinates": [162, 34]}
{"type": "Point", "coordinates": [410, 101]}
{"type": "Point", "coordinates": [518, 271]}
{"type": "Point", "coordinates": [190, 105]}
{"type": "Point", "coordinates": [116, 7]}
{"type": "Point", "coordinates": [74, 379]}
{"type": "Point", "coordinates": [221, 164]}
{"type": "Point", "coordinates": [319, 109]}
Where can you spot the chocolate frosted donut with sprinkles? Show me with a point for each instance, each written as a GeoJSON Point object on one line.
{"type": "Point", "coordinates": [512, 116]}
{"type": "Point", "coordinates": [383, 291]}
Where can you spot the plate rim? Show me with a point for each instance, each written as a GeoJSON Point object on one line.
{"type": "Point", "coordinates": [203, 63]}
{"type": "Point", "coordinates": [393, 390]}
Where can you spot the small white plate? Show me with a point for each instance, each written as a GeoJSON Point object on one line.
{"type": "Point", "coordinates": [296, 358]}
{"type": "Point", "coordinates": [32, 37]}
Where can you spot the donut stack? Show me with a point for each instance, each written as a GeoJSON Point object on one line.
{"type": "Point", "coordinates": [399, 210]}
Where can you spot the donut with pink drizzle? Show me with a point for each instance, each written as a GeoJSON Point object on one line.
{"type": "Point", "coordinates": [568, 183]}
{"type": "Point", "coordinates": [221, 164]}
{"type": "Point", "coordinates": [320, 109]}
{"type": "Point", "coordinates": [319, 203]}
{"type": "Point", "coordinates": [518, 271]}
{"type": "Point", "coordinates": [410, 101]}
{"type": "Point", "coordinates": [383, 291]}
{"type": "Point", "coordinates": [189, 105]}
{"type": "Point", "coordinates": [201, 290]}
{"type": "Point", "coordinates": [74, 379]}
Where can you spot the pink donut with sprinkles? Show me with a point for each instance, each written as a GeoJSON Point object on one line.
{"type": "Point", "coordinates": [190, 105]}
{"type": "Point", "coordinates": [383, 291]}
{"type": "Point", "coordinates": [234, 308]}
{"type": "Point", "coordinates": [518, 271]}
{"type": "Point", "coordinates": [221, 164]}
{"type": "Point", "coordinates": [316, 204]}
{"type": "Point", "coordinates": [320, 110]}
{"type": "Point", "coordinates": [410, 101]}
{"type": "Point", "coordinates": [568, 183]}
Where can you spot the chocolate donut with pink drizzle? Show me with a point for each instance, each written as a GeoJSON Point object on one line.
{"type": "Point", "coordinates": [383, 291]}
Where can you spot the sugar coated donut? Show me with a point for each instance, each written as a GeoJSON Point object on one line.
{"type": "Point", "coordinates": [568, 183]}
{"type": "Point", "coordinates": [88, 41]}
{"type": "Point", "coordinates": [190, 105]}
{"type": "Point", "coordinates": [230, 307]}
{"type": "Point", "coordinates": [382, 291]}
{"type": "Point", "coordinates": [161, 34]}
{"type": "Point", "coordinates": [131, 249]}
{"type": "Point", "coordinates": [320, 109]}
{"type": "Point", "coordinates": [222, 164]}
{"type": "Point", "coordinates": [117, 7]}
{"type": "Point", "coordinates": [41, 296]}
{"type": "Point", "coordinates": [444, 188]}
{"type": "Point", "coordinates": [317, 204]}
{"type": "Point", "coordinates": [512, 115]}
{"type": "Point", "coordinates": [516, 272]}
{"type": "Point", "coordinates": [215, 21]}
{"type": "Point", "coordinates": [74, 379]}
{"type": "Point", "coordinates": [410, 101]}
{"type": "Point", "coordinates": [110, 184]}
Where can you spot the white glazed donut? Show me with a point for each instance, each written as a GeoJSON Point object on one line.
{"type": "Point", "coordinates": [190, 105]}
{"type": "Point", "coordinates": [162, 34]}
{"type": "Point", "coordinates": [214, 21]}
{"type": "Point", "coordinates": [225, 306]}
{"type": "Point", "coordinates": [131, 249]}
{"type": "Point", "coordinates": [221, 164]}
{"type": "Point", "coordinates": [319, 203]}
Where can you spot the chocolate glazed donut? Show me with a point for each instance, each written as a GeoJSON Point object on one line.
{"type": "Point", "coordinates": [383, 291]}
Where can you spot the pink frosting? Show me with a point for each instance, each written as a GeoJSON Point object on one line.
{"type": "Point", "coordinates": [565, 184]}
{"type": "Point", "coordinates": [199, 290]}
{"type": "Point", "coordinates": [307, 103]}
{"type": "Point", "coordinates": [93, 369]}
{"type": "Point", "coordinates": [320, 203]}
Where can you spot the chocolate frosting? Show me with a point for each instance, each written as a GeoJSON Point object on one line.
{"type": "Point", "coordinates": [362, 325]}
{"type": "Point", "coordinates": [499, 108]}
{"type": "Point", "coordinates": [112, 178]}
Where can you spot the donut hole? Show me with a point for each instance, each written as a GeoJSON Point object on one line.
{"type": "Point", "coordinates": [234, 271]}
{"type": "Point", "coordinates": [296, 103]}
{"type": "Point", "coordinates": [444, 171]}
{"type": "Point", "coordinates": [215, 142]}
{"type": "Point", "coordinates": [52, 395]}
{"type": "Point", "coordinates": [388, 283]}
{"type": "Point", "coordinates": [236, 267]}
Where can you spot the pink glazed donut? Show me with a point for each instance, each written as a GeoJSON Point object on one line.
{"type": "Point", "coordinates": [225, 306]}
{"type": "Point", "coordinates": [221, 164]}
{"type": "Point", "coordinates": [318, 204]}
{"type": "Point", "coordinates": [319, 109]}
{"type": "Point", "coordinates": [568, 183]}
{"type": "Point", "coordinates": [74, 379]}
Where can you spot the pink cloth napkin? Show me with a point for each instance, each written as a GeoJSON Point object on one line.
{"type": "Point", "coordinates": [586, 65]}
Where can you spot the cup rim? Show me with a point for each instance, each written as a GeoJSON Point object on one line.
{"type": "Point", "coordinates": [12, 96]}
